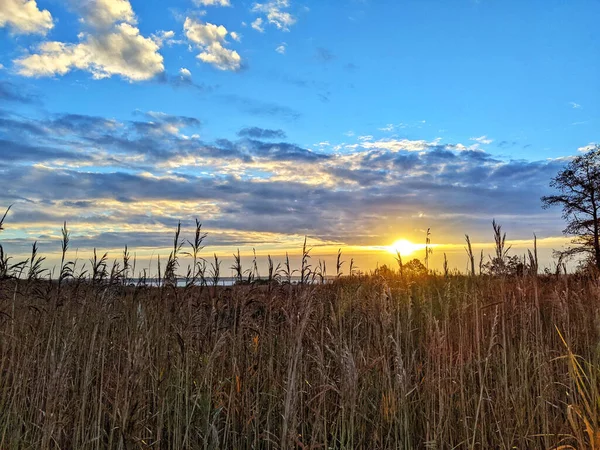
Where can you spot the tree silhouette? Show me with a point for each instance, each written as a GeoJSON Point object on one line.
{"type": "Point", "coordinates": [579, 195]}
{"type": "Point", "coordinates": [415, 268]}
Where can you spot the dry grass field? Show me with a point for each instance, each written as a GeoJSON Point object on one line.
{"type": "Point", "coordinates": [379, 361]}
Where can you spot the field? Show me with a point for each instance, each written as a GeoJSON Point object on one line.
{"type": "Point", "coordinates": [378, 361]}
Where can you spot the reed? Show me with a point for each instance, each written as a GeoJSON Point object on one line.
{"type": "Point", "coordinates": [392, 359]}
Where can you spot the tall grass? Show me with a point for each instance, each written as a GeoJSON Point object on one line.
{"type": "Point", "coordinates": [379, 361]}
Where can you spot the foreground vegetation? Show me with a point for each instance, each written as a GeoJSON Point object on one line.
{"type": "Point", "coordinates": [397, 359]}
{"type": "Point", "coordinates": [434, 362]}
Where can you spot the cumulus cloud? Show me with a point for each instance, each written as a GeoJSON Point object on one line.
{"type": "Point", "coordinates": [25, 17]}
{"type": "Point", "coordinates": [113, 46]}
{"type": "Point", "coordinates": [236, 36]}
{"type": "Point", "coordinates": [210, 39]}
{"type": "Point", "coordinates": [275, 13]}
{"type": "Point", "coordinates": [185, 72]}
{"type": "Point", "coordinates": [123, 51]}
{"type": "Point", "coordinates": [105, 13]}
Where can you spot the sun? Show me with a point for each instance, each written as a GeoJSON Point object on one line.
{"type": "Point", "coordinates": [404, 247]}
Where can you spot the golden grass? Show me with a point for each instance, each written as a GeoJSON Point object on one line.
{"type": "Point", "coordinates": [389, 360]}
{"type": "Point", "coordinates": [433, 362]}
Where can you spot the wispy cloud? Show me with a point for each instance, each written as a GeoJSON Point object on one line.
{"type": "Point", "coordinates": [482, 140]}
{"type": "Point", "coordinates": [281, 48]}
{"type": "Point", "coordinates": [324, 55]}
{"type": "Point", "coordinates": [262, 108]}
{"type": "Point", "coordinates": [212, 2]}
{"type": "Point", "coordinates": [575, 105]}
{"type": "Point", "coordinates": [258, 25]}
{"type": "Point", "coordinates": [11, 92]}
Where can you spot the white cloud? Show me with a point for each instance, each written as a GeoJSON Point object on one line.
{"type": "Point", "coordinates": [163, 37]}
{"type": "Point", "coordinates": [396, 145]}
{"type": "Point", "coordinates": [258, 25]}
{"type": "Point", "coordinates": [105, 13]}
{"type": "Point", "coordinates": [221, 57]}
{"type": "Point", "coordinates": [122, 51]}
{"type": "Point", "coordinates": [281, 48]}
{"type": "Point", "coordinates": [24, 17]}
{"type": "Point", "coordinates": [210, 39]}
{"type": "Point", "coordinates": [1, 67]}
{"type": "Point", "coordinates": [185, 72]}
{"type": "Point", "coordinates": [587, 148]}
{"type": "Point", "coordinates": [235, 36]}
{"type": "Point", "coordinates": [204, 34]}
{"type": "Point", "coordinates": [113, 46]}
{"type": "Point", "coordinates": [275, 14]}
{"type": "Point", "coordinates": [482, 140]}
{"type": "Point", "coordinates": [575, 105]}
{"type": "Point", "coordinates": [212, 3]}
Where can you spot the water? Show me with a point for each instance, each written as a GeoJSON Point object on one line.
{"type": "Point", "coordinates": [224, 281]}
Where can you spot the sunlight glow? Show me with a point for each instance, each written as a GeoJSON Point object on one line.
{"type": "Point", "coordinates": [405, 247]}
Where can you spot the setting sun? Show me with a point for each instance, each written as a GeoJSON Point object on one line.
{"type": "Point", "coordinates": [405, 247]}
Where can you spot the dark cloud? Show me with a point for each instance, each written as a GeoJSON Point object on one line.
{"type": "Point", "coordinates": [322, 89]}
{"type": "Point", "coordinates": [324, 97]}
{"type": "Point", "coordinates": [78, 123]}
{"type": "Point", "coordinates": [284, 152]}
{"type": "Point", "coordinates": [358, 196]}
{"type": "Point", "coordinates": [183, 82]}
{"type": "Point", "coordinates": [261, 133]}
{"type": "Point", "coordinates": [17, 127]}
{"type": "Point", "coordinates": [15, 151]}
{"type": "Point", "coordinates": [161, 123]}
{"type": "Point", "coordinates": [507, 144]}
{"type": "Point", "coordinates": [10, 92]}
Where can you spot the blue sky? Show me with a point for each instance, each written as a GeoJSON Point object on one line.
{"type": "Point", "coordinates": [355, 122]}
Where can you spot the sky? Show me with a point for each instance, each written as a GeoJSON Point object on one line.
{"type": "Point", "coordinates": [353, 122]}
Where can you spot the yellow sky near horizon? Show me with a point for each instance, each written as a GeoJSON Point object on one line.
{"type": "Point", "coordinates": [366, 258]}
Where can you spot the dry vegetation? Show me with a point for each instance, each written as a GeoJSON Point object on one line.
{"type": "Point", "coordinates": [380, 361]}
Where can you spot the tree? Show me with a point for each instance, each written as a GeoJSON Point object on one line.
{"type": "Point", "coordinates": [415, 268]}
{"type": "Point", "coordinates": [578, 185]}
